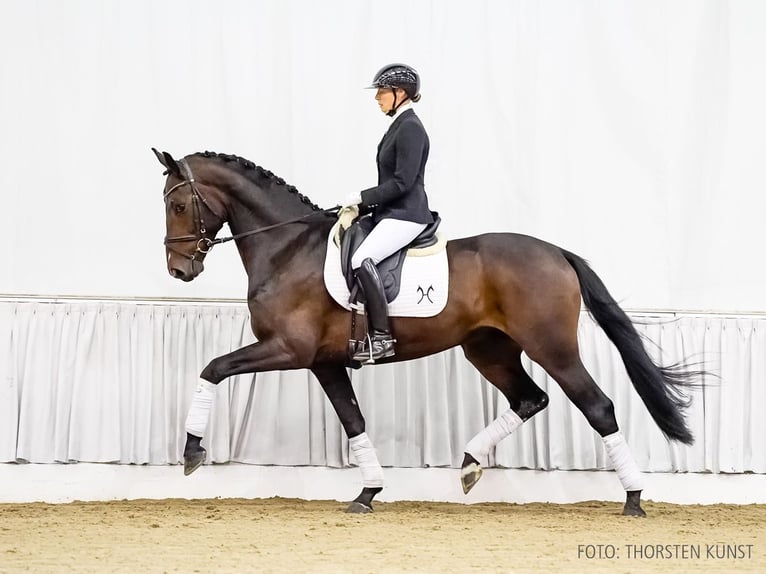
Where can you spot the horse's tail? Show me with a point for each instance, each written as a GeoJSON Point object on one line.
{"type": "Point", "coordinates": [661, 388]}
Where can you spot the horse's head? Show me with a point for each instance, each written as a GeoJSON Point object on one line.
{"type": "Point", "coordinates": [191, 219]}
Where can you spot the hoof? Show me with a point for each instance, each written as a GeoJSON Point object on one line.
{"type": "Point", "coordinates": [362, 504]}
{"type": "Point", "coordinates": [633, 505]}
{"type": "Point", "coordinates": [469, 476]}
{"type": "Point", "coordinates": [630, 511]}
{"type": "Point", "coordinates": [193, 460]}
{"type": "Point", "coordinates": [358, 508]}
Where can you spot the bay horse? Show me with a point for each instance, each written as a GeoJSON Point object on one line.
{"type": "Point", "coordinates": [508, 293]}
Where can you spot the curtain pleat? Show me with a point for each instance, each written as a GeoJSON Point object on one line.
{"type": "Point", "coordinates": [9, 380]}
{"type": "Point", "coordinates": [112, 382]}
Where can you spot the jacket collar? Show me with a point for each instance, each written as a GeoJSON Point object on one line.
{"type": "Point", "coordinates": [393, 127]}
{"type": "Point", "coordinates": [401, 109]}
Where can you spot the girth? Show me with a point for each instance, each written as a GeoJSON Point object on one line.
{"type": "Point", "coordinates": [390, 269]}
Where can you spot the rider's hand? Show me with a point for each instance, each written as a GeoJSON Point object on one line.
{"type": "Point", "coordinates": [352, 199]}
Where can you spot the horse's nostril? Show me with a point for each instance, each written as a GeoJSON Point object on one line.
{"type": "Point", "coordinates": [177, 273]}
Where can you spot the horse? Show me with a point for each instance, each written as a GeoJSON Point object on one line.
{"type": "Point", "coordinates": [508, 293]}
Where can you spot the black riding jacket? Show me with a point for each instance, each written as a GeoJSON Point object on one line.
{"type": "Point", "coordinates": [401, 159]}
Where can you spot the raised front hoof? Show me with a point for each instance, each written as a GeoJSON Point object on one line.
{"type": "Point", "coordinates": [633, 504]}
{"type": "Point", "coordinates": [193, 459]}
{"type": "Point", "coordinates": [470, 475]}
{"type": "Point", "coordinates": [358, 508]}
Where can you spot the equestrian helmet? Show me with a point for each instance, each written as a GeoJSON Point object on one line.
{"type": "Point", "coordinates": [398, 76]}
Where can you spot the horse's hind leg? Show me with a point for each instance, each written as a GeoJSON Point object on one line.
{"type": "Point", "coordinates": [337, 386]}
{"type": "Point", "coordinates": [562, 362]}
{"type": "Point", "coordinates": [498, 359]}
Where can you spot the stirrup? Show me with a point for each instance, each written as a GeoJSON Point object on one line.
{"type": "Point", "coordinates": [367, 355]}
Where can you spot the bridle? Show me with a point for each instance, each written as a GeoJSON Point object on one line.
{"type": "Point", "coordinates": [204, 243]}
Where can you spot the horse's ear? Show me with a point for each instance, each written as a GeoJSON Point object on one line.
{"type": "Point", "coordinates": [159, 156]}
{"type": "Point", "coordinates": [167, 160]}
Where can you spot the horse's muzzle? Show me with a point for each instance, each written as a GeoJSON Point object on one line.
{"type": "Point", "coordinates": [186, 275]}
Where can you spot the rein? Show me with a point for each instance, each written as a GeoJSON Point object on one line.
{"type": "Point", "coordinates": [204, 243]}
{"type": "Point", "coordinates": [211, 242]}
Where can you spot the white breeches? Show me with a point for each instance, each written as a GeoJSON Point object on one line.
{"type": "Point", "coordinates": [386, 237]}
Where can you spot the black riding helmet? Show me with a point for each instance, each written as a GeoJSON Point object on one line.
{"type": "Point", "coordinates": [398, 76]}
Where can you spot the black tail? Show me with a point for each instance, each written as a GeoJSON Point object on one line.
{"type": "Point", "coordinates": [661, 388]}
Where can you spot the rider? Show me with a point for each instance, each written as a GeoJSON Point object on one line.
{"type": "Point", "coordinates": [398, 203]}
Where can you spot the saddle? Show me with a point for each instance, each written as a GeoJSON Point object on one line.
{"type": "Point", "coordinates": [390, 269]}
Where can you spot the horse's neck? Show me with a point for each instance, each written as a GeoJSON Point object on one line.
{"type": "Point", "coordinates": [251, 208]}
{"type": "Point", "coordinates": [255, 207]}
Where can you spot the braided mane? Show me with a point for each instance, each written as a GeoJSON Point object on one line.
{"type": "Point", "coordinates": [252, 171]}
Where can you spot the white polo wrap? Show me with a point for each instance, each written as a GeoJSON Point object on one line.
{"type": "Point", "coordinates": [367, 459]}
{"type": "Point", "coordinates": [199, 413]}
{"type": "Point", "coordinates": [623, 462]}
{"type": "Point", "coordinates": [480, 445]}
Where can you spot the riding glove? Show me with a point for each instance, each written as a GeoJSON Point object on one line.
{"type": "Point", "coordinates": [352, 199]}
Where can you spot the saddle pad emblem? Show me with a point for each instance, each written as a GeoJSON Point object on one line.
{"type": "Point", "coordinates": [424, 284]}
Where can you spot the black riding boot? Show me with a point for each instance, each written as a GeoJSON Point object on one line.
{"type": "Point", "coordinates": [379, 343]}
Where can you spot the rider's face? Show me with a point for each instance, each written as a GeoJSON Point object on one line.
{"type": "Point", "coordinates": [385, 98]}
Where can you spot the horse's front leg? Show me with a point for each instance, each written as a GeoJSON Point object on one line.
{"type": "Point", "coordinates": [337, 386]}
{"type": "Point", "coordinates": [268, 355]}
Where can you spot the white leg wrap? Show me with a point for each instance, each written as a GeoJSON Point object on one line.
{"type": "Point", "coordinates": [623, 462]}
{"type": "Point", "coordinates": [199, 413]}
{"type": "Point", "coordinates": [367, 459]}
{"type": "Point", "coordinates": [480, 445]}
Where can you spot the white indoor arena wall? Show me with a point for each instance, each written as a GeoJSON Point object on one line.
{"type": "Point", "coordinates": [628, 132]}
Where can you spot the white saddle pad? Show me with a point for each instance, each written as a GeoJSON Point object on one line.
{"type": "Point", "coordinates": [424, 283]}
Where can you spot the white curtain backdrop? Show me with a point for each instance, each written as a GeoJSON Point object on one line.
{"type": "Point", "coordinates": [628, 132]}
{"type": "Point", "coordinates": [112, 382]}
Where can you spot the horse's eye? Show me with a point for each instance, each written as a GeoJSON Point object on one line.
{"type": "Point", "coordinates": [179, 208]}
